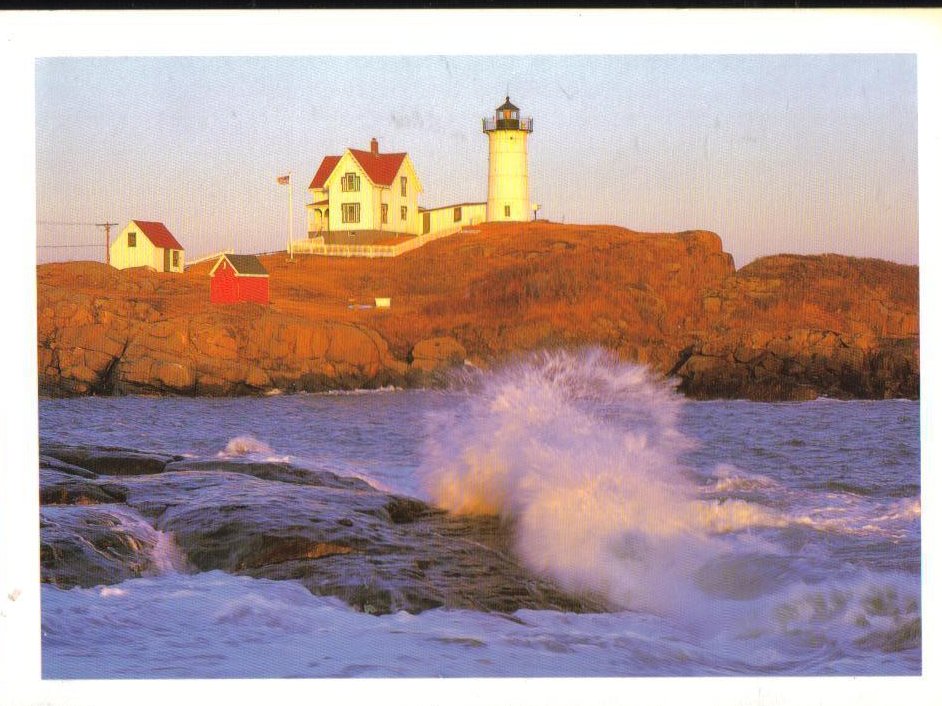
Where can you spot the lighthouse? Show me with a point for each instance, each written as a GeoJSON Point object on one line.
{"type": "Point", "coordinates": [508, 186]}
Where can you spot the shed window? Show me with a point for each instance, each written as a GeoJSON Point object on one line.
{"type": "Point", "coordinates": [403, 183]}
{"type": "Point", "coordinates": [457, 213]}
{"type": "Point", "coordinates": [507, 211]}
{"type": "Point", "coordinates": [176, 258]}
{"type": "Point", "coordinates": [403, 212]}
{"type": "Point", "coordinates": [132, 240]}
{"type": "Point", "coordinates": [351, 212]}
{"type": "Point", "coordinates": [350, 182]}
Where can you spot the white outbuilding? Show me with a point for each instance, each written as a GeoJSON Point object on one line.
{"type": "Point", "coordinates": [147, 244]}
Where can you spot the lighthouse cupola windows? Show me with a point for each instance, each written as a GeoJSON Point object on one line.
{"type": "Point", "coordinates": [508, 116]}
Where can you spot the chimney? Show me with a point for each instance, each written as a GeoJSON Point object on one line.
{"type": "Point", "coordinates": [374, 146]}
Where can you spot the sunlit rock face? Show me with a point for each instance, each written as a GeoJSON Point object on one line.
{"type": "Point", "coordinates": [784, 327]}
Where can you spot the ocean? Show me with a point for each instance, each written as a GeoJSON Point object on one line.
{"type": "Point", "coordinates": [719, 538]}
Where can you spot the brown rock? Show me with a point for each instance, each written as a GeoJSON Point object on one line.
{"type": "Point", "coordinates": [434, 353]}
{"type": "Point", "coordinates": [175, 376]}
{"type": "Point", "coordinates": [501, 290]}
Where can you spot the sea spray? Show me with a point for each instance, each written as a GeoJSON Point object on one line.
{"type": "Point", "coordinates": [583, 457]}
{"type": "Point", "coordinates": [599, 502]}
{"type": "Point", "coordinates": [243, 446]}
{"type": "Point", "coordinates": [247, 446]}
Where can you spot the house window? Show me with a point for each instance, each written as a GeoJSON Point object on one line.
{"type": "Point", "coordinates": [350, 182]}
{"type": "Point", "coordinates": [132, 240]}
{"type": "Point", "coordinates": [457, 214]}
{"type": "Point", "coordinates": [176, 258]}
{"type": "Point", "coordinates": [403, 182]}
{"type": "Point", "coordinates": [403, 212]}
{"type": "Point", "coordinates": [384, 212]}
{"type": "Point", "coordinates": [351, 212]}
{"type": "Point", "coordinates": [507, 211]}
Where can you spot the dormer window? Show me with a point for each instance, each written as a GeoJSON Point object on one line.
{"type": "Point", "coordinates": [350, 182]}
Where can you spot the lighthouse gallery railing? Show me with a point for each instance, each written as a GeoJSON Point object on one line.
{"type": "Point", "coordinates": [491, 124]}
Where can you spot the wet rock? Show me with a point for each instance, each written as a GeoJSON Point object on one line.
{"type": "Point", "coordinates": [276, 550]}
{"type": "Point", "coordinates": [96, 545]}
{"type": "Point", "coordinates": [402, 510]}
{"type": "Point", "coordinates": [277, 471]}
{"type": "Point", "coordinates": [63, 467]}
{"type": "Point", "coordinates": [58, 488]}
{"type": "Point", "coordinates": [107, 460]}
{"type": "Point", "coordinates": [338, 536]}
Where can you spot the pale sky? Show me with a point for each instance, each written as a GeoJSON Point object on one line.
{"type": "Point", "coordinates": [776, 153]}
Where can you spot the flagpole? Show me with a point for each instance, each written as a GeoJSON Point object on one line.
{"type": "Point", "coordinates": [290, 220]}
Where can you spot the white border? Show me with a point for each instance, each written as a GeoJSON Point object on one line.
{"type": "Point", "coordinates": [26, 36]}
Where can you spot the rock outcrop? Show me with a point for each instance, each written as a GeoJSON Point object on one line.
{"type": "Point", "coordinates": [796, 327]}
{"type": "Point", "coordinates": [783, 327]}
{"type": "Point", "coordinates": [336, 535]}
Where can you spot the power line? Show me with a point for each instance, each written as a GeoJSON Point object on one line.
{"type": "Point", "coordinates": [107, 226]}
{"type": "Point", "coordinates": [90, 245]}
{"type": "Point", "coordinates": [64, 223]}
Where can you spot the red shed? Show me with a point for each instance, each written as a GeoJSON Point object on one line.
{"type": "Point", "coordinates": [238, 278]}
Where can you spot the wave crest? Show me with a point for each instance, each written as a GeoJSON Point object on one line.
{"type": "Point", "coordinates": [581, 453]}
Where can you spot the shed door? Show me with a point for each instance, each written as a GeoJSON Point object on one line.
{"type": "Point", "coordinates": [426, 222]}
{"type": "Point", "coordinates": [166, 259]}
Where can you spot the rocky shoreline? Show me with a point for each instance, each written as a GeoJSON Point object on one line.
{"type": "Point", "coordinates": [785, 327]}
{"type": "Point", "coordinates": [111, 514]}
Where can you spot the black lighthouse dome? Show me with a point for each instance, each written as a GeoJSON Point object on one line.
{"type": "Point", "coordinates": [507, 117]}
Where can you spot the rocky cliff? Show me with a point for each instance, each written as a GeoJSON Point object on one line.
{"type": "Point", "coordinates": [783, 327]}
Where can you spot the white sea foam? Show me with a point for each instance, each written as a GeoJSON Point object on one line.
{"type": "Point", "coordinates": [600, 505]}
{"type": "Point", "coordinates": [600, 501]}
{"type": "Point", "coordinates": [243, 446]}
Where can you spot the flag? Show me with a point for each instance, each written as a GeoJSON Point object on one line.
{"type": "Point", "coordinates": [284, 179]}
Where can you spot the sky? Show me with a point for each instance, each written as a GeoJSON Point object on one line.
{"type": "Point", "coordinates": [797, 153]}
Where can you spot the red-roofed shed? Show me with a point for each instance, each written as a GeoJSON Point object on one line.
{"type": "Point", "coordinates": [238, 278]}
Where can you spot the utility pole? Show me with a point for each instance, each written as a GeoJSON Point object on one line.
{"type": "Point", "coordinates": [107, 227]}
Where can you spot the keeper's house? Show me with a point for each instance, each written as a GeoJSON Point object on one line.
{"type": "Point", "coordinates": [147, 244]}
{"type": "Point", "coordinates": [370, 197]}
{"type": "Point", "coordinates": [238, 278]}
{"type": "Point", "coordinates": [364, 197]}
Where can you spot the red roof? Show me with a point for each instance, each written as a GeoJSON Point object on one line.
{"type": "Point", "coordinates": [158, 234]}
{"type": "Point", "coordinates": [323, 171]}
{"type": "Point", "coordinates": [380, 168]}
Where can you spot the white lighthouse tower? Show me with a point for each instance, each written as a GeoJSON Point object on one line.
{"type": "Point", "coordinates": [508, 186]}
